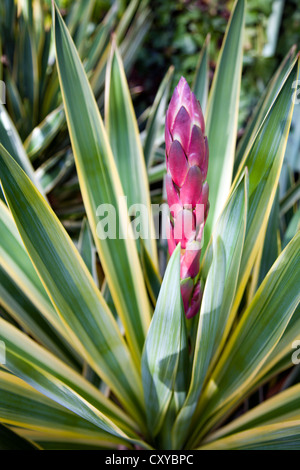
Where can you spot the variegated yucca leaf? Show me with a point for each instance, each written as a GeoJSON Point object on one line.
{"type": "Point", "coordinates": [279, 436]}
{"type": "Point", "coordinates": [264, 162]}
{"type": "Point", "coordinates": [21, 405]}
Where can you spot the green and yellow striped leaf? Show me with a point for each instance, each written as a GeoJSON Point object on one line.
{"type": "Point", "coordinates": [44, 372]}
{"type": "Point", "coordinates": [87, 250]}
{"type": "Point", "coordinates": [222, 115]}
{"type": "Point", "coordinates": [281, 357]}
{"type": "Point", "coordinates": [201, 78]}
{"type": "Point", "coordinates": [23, 406]}
{"type": "Point", "coordinates": [263, 107]}
{"type": "Point", "coordinates": [16, 263]}
{"type": "Point", "coordinates": [151, 275]}
{"type": "Point", "coordinates": [11, 140]}
{"type": "Point", "coordinates": [207, 329]}
{"type": "Point", "coordinates": [48, 441]}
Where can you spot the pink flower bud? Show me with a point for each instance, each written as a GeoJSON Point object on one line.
{"type": "Point", "coordinates": [187, 191]}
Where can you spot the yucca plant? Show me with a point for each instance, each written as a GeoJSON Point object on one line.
{"type": "Point", "coordinates": [101, 354]}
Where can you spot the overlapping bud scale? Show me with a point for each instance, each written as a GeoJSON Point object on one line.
{"type": "Point", "coordinates": [187, 191]}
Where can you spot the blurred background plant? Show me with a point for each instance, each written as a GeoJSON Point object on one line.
{"type": "Point", "coordinates": [158, 42]}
